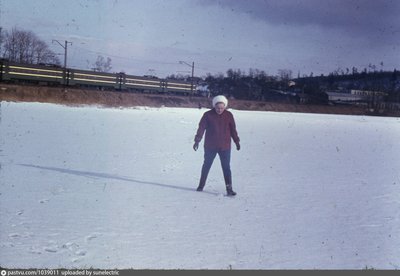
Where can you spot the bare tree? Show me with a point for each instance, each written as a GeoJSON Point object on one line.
{"type": "Point", "coordinates": [285, 74]}
{"type": "Point", "coordinates": [102, 65]}
{"type": "Point", "coordinates": [43, 54]}
{"type": "Point", "coordinates": [25, 47]}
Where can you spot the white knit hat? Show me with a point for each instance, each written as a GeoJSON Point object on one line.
{"type": "Point", "coordinates": [220, 99]}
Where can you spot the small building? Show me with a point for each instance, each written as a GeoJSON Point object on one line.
{"type": "Point", "coordinates": [203, 90]}
{"type": "Point", "coordinates": [367, 93]}
{"type": "Point", "coordinates": [355, 96]}
{"type": "Point", "coordinates": [343, 97]}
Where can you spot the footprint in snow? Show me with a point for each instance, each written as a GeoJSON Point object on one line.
{"type": "Point", "coordinates": [44, 200]}
{"type": "Point", "coordinates": [50, 249]}
{"type": "Point", "coordinates": [76, 260]}
{"type": "Point", "coordinates": [71, 246]}
{"type": "Point", "coordinates": [35, 251]}
{"type": "Point", "coordinates": [74, 247]}
{"type": "Point", "coordinates": [28, 235]}
{"type": "Point", "coordinates": [81, 252]}
{"type": "Point", "coordinates": [14, 235]}
{"type": "Point", "coordinates": [91, 237]}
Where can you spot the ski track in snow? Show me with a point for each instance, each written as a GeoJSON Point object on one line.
{"type": "Point", "coordinates": [115, 188]}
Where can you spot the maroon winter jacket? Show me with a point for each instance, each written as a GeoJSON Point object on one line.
{"type": "Point", "coordinates": [219, 130]}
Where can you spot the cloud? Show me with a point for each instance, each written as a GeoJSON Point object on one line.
{"type": "Point", "coordinates": [367, 18]}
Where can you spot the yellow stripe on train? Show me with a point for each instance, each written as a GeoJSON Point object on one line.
{"type": "Point", "coordinates": [32, 68]}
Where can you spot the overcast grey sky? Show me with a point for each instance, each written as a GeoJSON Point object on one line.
{"type": "Point", "coordinates": [142, 36]}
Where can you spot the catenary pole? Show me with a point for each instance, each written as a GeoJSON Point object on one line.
{"type": "Point", "coordinates": [65, 46]}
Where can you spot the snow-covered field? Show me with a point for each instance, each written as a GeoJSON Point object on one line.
{"type": "Point", "coordinates": [115, 188]}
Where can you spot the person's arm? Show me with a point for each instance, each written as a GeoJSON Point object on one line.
{"type": "Point", "coordinates": [234, 134]}
{"type": "Point", "coordinates": [200, 132]}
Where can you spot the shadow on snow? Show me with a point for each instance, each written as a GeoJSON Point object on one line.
{"type": "Point", "coordinates": [111, 176]}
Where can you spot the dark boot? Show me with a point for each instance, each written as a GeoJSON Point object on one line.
{"type": "Point", "coordinates": [228, 184]}
{"type": "Point", "coordinates": [229, 190]}
{"type": "Point", "coordinates": [202, 183]}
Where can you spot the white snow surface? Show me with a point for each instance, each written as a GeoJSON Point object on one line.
{"type": "Point", "coordinates": [86, 187]}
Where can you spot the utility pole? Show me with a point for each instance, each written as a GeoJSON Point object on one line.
{"type": "Point", "coordinates": [192, 79]}
{"type": "Point", "coordinates": [65, 50]}
{"type": "Point", "coordinates": [1, 38]}
{"type": "Point", "coordinates": [152, 72]}
{"type": "Point", "coordinates": [65, 46]}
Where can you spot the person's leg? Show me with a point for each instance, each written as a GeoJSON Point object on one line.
{"type": "Point", "coordinates": [209, 156]}
{"type": "Point", "coordinates": [225, 157]}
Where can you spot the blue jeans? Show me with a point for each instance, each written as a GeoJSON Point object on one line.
{"type": "Point", "coordinates": [209, 156]}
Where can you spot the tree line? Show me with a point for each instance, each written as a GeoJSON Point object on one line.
{"type": "Point", "coordinates": [283, 87]}
{"type": "Point", "coordinates": [24, 46]}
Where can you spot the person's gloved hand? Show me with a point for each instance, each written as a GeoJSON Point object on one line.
{"type": "Point", "coordinates": [237, 146]}
{"type": "Point", "coordinates": [196, 145]}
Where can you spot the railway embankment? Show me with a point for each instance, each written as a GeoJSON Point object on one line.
{"type": "Point", "coordinates": [116, 99]}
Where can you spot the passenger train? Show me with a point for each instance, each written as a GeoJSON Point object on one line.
{"type": "Point", "coordinates": [52, 75]}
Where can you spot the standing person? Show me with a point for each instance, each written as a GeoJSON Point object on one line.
{"type": "Point", "coordinates": [219, 125]}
